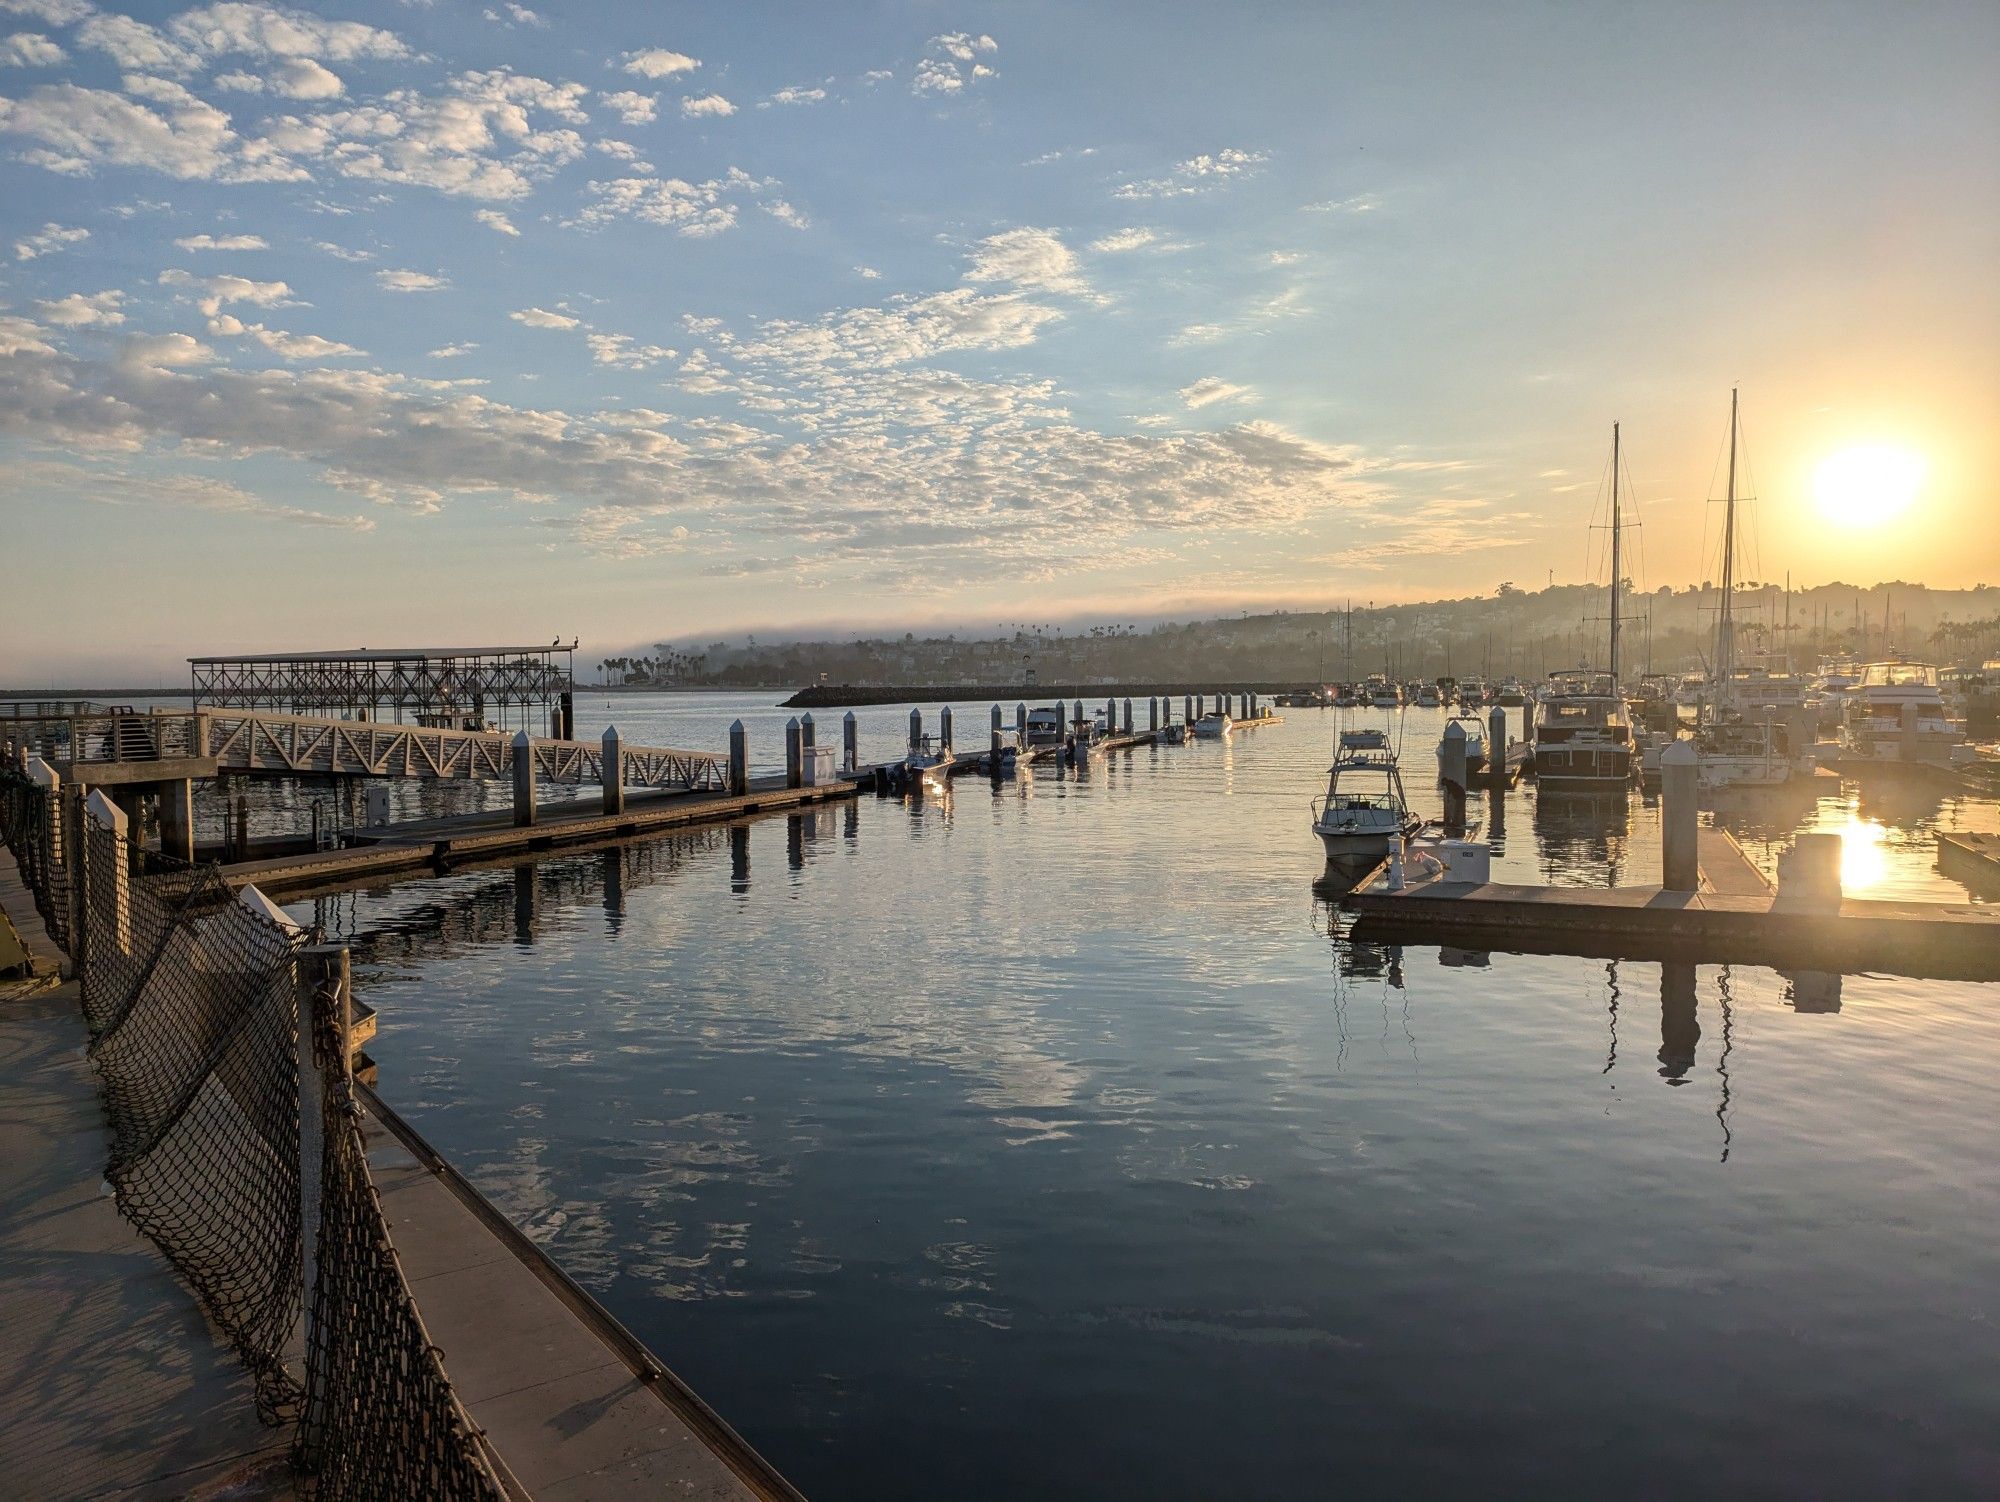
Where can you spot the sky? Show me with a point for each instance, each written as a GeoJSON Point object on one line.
{"type": "Point", "coordinates": [421, 324]}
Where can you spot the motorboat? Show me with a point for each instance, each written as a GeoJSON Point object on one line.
{"type": "Point", "coordinates": [1383, 694]}
{"type": "Point", "coordinates": [1510, 693]}
{"type": "Point", "coordinates": [1742, 754]}
{"type": "Point", "coordinates": [1896, 713]}
{"type": "Point", "coordinates": [1427, 696]}
{"type": "Point", "coordinates": [1582, 734]}
{"type": "Point", "coordinates": [1044, 727]}
{"type": "Point", "coordinates": [1364, 808]}
{"type": "Point", "coordinates": [1692, 691]}
{"type": "Point", "coordinates": [929, 763]}
{"type": "Point", "coordinates": [1347, 697]}
{"type": "Point", "coordinates": [1652, 703]}
{"type": "Point", "coordinates": [1471, 692]}
{"type": "Point", "coordinates": [1216, 725]}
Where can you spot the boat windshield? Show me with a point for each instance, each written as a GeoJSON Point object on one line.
{"type": "Point", "coordinates": [1899, 675]}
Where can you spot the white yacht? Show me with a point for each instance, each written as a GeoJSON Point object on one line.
{"type": "Point", "coordinates": [1364, 807]}
{"type": "Point", "coordinates": [1475, 741]}
{"type": "Point", "coordinates": [1216, 725]}
{"type": "Point", "coordinates": [929, 763]}
{"type": "Point", "coordinates": [1427, 696]}
{"type": "Point", "coordinates": [1383, 694]}
{"type": "Point", "coordinates": [1582, 734]}
{"type": "Point", "coordinates": [1692, 691]}
{"type": "Point", "coordinates": [1873, 729]}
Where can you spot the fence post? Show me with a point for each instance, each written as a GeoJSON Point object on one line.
{"type": "Point", "coordinates": [113, 878]}
{"type": "Point", "coordinates": [611, 770]}
{"type": "Point", "coordinates": [325, 999]}
{"type": "Point", "coordinates": [524, 779]}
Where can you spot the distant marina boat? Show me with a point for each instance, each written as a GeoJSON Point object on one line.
{"type": "Point", "coordinates": [1383, 694]}
{"type": "Point", "coordinates": [1364, 807]}
{"type": "Point", "coordinates": [1475, 742]}
{"type": "Point", "coordinates": [1510, 693]}
{"type": "Point", "coordinates": [1876, 709]}
{"type": "Point", "coordinates": [1216, 725]}
{"type": "Point", "coordinates": [1044, 727]}
{"type": "Point", "coordinates": [1427, 696]}
{"type": "Point", "coordinates": [929, 764]}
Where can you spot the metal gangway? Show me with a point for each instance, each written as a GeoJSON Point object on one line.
{"type": "Point", "coordinates": [283, 745]}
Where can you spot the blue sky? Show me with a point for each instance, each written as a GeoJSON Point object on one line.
{"type": "Point", "coordinates": [441, 322]}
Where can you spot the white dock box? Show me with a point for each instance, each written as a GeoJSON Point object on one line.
{"type": "Point", "coordinates": [818, 768]}
{"type": "Point", "coordinates": [375, 805]}
{"type": "Point", "coordinates": [1466, 860]}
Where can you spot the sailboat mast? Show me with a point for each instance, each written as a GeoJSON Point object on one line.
{"type": "Point", "coordinates": [1725, 620]}
{"type": "Point", "coordinates": [1616, 565]}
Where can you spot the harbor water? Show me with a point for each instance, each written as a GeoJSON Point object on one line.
{"type": "Point", "coordinates": [1052, 1140]}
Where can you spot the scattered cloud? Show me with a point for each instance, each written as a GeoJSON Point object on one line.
{"type": "Point", "coordinates": [494, 220]}
{"type": "Point", "coordinates": [1362, 204]}
{"type": "Point", "coordinates": [1126, 239]}
{"type": "Point", "coordinates": [256, 30]}
{"type": "Point", "coordinates": [1060, 155]}
{"type": "Point", "coordinates": [161, 352]}
{"type": "Point", "coordinates": [658, 62]}
{"type": "Point", "coordinates": [185, 137]}
{"type": "Point", "coordinates": [223, 242]}
{"type": "Point", "coordinates": [134, 44]}
{"type": "Point", "coordinates": [343, 252]}
{"type": "Point", "coordinates": [29, 49]}
{"type": "Point", "coordinates": [211, 293]}
{"type": "Point", "coordinates": [542, 318]}
{"type": "Point", "coordinates": [409, 281]}
{"type": "Point", "coordinates": [452, 351]}
{"type": "Point", "coordinates": [624, 352]}
{"type": "Point", "coordinates": [630, 106]}
{"type": "Point", "coordinates": [867, 273]}
{"type": "Point", "coordinates": [951, 62]}
{"type": "Point", "coordinates": [796, 95]}
{"type": "Point", "coordinates": [291, 78]}
{"type": "Point", "coordinates": [47, 240]}
{"type": "Point", "coordinates": [289, 346]}
{"type": "Point", "coordinates": [784, 213]}
{"type": "Point", "coordinates": [694, 209]}
{"type": "Point", "coordinates": [1198, 333]}
{"type": "Point", "coordinates": [1209, 390]}
{"type": "Point", "coordinates": [95, 310]}
{"type": "Point", "coordinates": [1286, 257]}
{"type": "Point", "coordinates": [50, 12]}
{"type": "Point", "coordinates": [1197, 174]}
{"type": "Point", "coordinates": [707, 104]}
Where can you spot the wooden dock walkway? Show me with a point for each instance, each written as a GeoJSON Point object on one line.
{"type": "Point", "coordinates": [1736, 916]}
{"type": "Point", "coordinates": [439, 844]}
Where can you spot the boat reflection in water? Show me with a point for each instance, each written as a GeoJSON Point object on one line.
{"type": "Point", "coordinates": [1581, 837]}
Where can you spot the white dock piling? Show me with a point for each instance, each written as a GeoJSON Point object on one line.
{"type": "Point", "coordinates": [611, 765]}
{"type": "Point", "coordinates": [1680, 828]}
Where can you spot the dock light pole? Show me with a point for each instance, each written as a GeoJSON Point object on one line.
{"type": "Point", "coordinates": [1680, 796]}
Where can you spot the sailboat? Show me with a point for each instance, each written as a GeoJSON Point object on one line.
{"type": "Point", "coordinates": [1582, 729]}
{"type": "Point", "coordinates": [1734, 751]}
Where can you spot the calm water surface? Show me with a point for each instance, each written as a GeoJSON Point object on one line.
{"type": "Point", "coordinates": [1052, 1141]}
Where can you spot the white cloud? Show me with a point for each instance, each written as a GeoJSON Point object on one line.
{"type": "Point", "coordinates": [949, 63]}
{"type": "Point", "coordinates": [343, 252]}
{"type": "Point", "coordinates": [1287, 257]}
{"type": "Point", "coordinates": [658, 62]}
{"type": "Point", "coordinates": [164, 352]}
{"type": "Point", "coordinates": [96, 310]}
{"type": "Point", "coordinates": [50, 12]}
{"type": "Point", "coordinates": [784, 213]}
{"type": "Point", "coordinates": [1195, 175]}
{"type": "Point", "coordinates": [797, 95]}
{"type": "Point", "coordinates": [409, 281]}
{"type": "Point", "coordinates": [1361, 204]}
{"type": "Point", "coordinates": [867, 273]}
{"type": "Point", "coordinates": [211, 293]}
{"type": "Point", "coordinates": [223, 242]}
{"type": "Point", "coordinates": [452, 351]}
{"type": "Point", "coordinates": [50, 238]}
{"type": "Point", "coordinates": [289, 346]}
{"type": "Point", "coordinates": [493, 219]}
{"type": "Point", "coordinates": [542, 318]}
{"type": "Point", "coordinates": [693, 209]}
{"type": "Point", "coordinates": [1212, 389]}
{"type": "Point", "coordinates": [707, 104]}
{"type": "Point", "coordinates": [1125, 239]}
{"type": "Point", "coordinates": [81, 129]}
{"type": "Point", "coordinates": [22, 336]}
{"type": "Point", "coordinates": [1199, 333]}
{"type": "Point", "coordinates": [1027, 257]}
{"type": "Point", "coordinates": [268, 31]}
{"type": "Point", "coordinates": [29, 49]}
{"type": "Point", "coordinates": [135, 45]}
{"type": "Point", "coordinates": [478, 138]}
{"type": "Point", "coordinates": [1059, 155]}
{"type": "Point", "coordinates": [625, 352]}
{"type": "Point", "coordinates": [632, 107]}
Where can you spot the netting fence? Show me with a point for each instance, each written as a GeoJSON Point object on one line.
{"type": "Point", "coordinates": [234, 1157]}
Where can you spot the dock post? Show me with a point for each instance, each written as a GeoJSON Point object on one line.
{"type": "Point", "coordinates": [524, 780]}
{"type": "Point", "coordinates": [1496, 744]}
{"type": "Point", "coordinates": [1809, 873]}
{"type": "Point", "coordinates": [1452, 768]}
{"type": "Point", "coordinates": [611, 771]}
{"type": "Point", "coordinates": [1153, 713]}
{"type": "Point", "coordinates": [1680, 795]}
{"type": "Point", "coordinates": [1198, 708]}
{"type": "Point", "coordinates": [323, 978]}
{"type": "Point", "coordinates": [850, 742]}
{"type": "Point", "coordinates": [944, 728]}
{"type": "Point", "coordinates": [177, 819]}
{"type": "Point", "coordinates": [49, 780]}
{"type": "Point", "coordinates": [568, 711]}
{"type": "Point", "coordinates": [1076, 720]}
{"type": "Point", "coordinates": [994, 745]}
{"type": "Point", "coordinates": [916, 728]}
{"type": "Point", "coordinates": [739, 759]}
{"type": "Point", "coordinates": [794, 753]}
{"type": "Point", "coordinates": [108, 884]}
{"type": "Point", "coordinates": [1128, 716]}
{"type": "Point", "coordinates": [1021, 726]}
{"type": "Point", "coordinates": [1187, 709]}
{"type": "Point", "coordinates": [808, 742]}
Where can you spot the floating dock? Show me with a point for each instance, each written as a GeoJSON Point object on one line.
{"type": "Point", "coordinates": [1973, 858]}
{"type": "Point", "coordinates": [1735, 916]}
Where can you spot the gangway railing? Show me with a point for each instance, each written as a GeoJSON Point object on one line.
{"type": "Point", "coordinates": [257, 741]}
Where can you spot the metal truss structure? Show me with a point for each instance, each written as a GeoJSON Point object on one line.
{"type": "Point", "coordinates": [300, 745]}
{"type": "Point", "coordinates": [461, 688]}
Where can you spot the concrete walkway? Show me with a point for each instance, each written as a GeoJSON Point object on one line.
{"type": "Point", "coordinates": [112, 1384]}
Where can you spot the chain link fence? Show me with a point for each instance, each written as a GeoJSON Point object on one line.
{"type": "Point", "coordinates": [233, 1158]}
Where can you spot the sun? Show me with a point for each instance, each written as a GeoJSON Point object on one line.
{"type": "Point", "coordinates": [1868, 485]}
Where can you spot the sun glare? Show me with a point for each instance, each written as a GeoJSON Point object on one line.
{"type": "Point", "coordinates": [1868, 486]}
